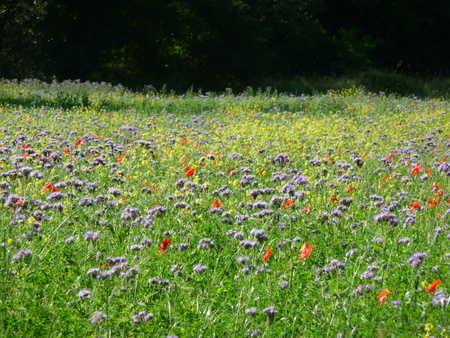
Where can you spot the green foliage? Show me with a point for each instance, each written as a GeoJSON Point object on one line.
{"type": "Point", "coordinates": [219, 44]}
{"type": "Point", "coordinates": [85, 169]}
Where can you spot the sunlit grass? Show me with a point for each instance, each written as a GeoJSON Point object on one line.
{"type": "Point", "coordinates": [95, 179]}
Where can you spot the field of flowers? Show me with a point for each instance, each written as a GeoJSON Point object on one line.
{"type": "Point", "coordinates": [201, 215]}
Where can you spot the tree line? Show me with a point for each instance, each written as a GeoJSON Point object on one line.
{"type": "Point", "coordinates": [219, 43]}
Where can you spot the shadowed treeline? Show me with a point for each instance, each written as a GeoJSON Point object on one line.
{"type": "Point", "coordinates": [216, 44]}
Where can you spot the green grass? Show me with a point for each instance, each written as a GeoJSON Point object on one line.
{"type": "Point", "coordinates": [287, 169]}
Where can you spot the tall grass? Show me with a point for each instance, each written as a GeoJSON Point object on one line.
{"type": "Point", "coordinates": [155, 214]}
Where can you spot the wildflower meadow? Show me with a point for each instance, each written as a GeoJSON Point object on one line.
{"type": "Point", "coordinates": [259, 214]}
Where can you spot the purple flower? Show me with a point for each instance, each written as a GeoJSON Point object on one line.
{"type": "Point", "coordinates": [91, 236]}
{"type": "Point", "coordinates": [281, 159]}
{"type": "Point", "coordinates": [94, 272]}
{"type": "Point", "coordinates": [246, 243]}
{"type": "Point", "coordinates": [205, 242]}
{"type": "Point", "coordinates": [417, 258]}
{"type": "Point", "coordinates": [386, 216]}
{"type": "Point", "coordinates": [260, 234]}
{"type": "Point", "coordinates": [440, 298]}
{"type": "Point", "coordinates": [55, 196]}
{"type": "Point", "coordinates": [283, 285]}
{"type": "Point", "coordinates": [158, 281]}
{"type": "Point", "coordinates": [270, 312]}
{"type": "Point", "coordinates": [83, 293]}
{"type": "Point", "coordinates": [251, 311]}
{"type": "Point", "coordinates": [337, 263]}
{"type": "Point", "coordinates": [367, 275]}
{"type": "Point", "coordinates": [243, 259]}
{"type": "Point", "coordinates": [86, 201]}
{"type": "Point", "coordinates": [403, 240]}
{"type": "Point", "coordinates": [396, 302]}
{"type": "Point", "coordinates": [182, 246]}
{"type": "Point", "coordinates": [199, 268]}
{"type": "Point", "coordinates": [361, 289]}
{"type": "Point", "coordinates": [69, 240]}
{"type": "Point", "coordinates": [21, 254]}
{"type": "Point", "coordinates": [98, 317]}
{"type": "Point", "coordinates": [142, 317]}
{"type": "Point", "coordinates": [116, 260]}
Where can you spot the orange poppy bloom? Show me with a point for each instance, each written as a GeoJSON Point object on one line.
{"type": "Point", "coordinates": [307, 210]}
{"type": "Point", "coordinates": [334, 199]}
{"type": "Point", "coordinates": [432, 202]}
{"type": "Point", "coordinates": [433, 286]}
{"type": "Point", "coordinates": [120, 158]}
{"type": "Point", "coordinates": [216, 203]}
{"type": "Point", "coordinates": [428, 171]}
{"type": "Point", "coordinates": [416, 169]}
{"type": "Point", "coordinates": [189, 170]}
{"type": "Point", "coordinates": [382, 296]}
{"type": "Point", "coordinates": [267, 255]}
{"type": "Point", "coordinates": [444, 159]}
{"type": "Point", "coordinates": [435, 186]}
{"type": "Point", "coordinates": [144, 182]}
{"type": "Point", "coordinates": [305, 250]}
{"type": "Point", "coordinates": [387, 178]}
{"type": "Point", "coordinates": [287, 203]}
{"type": "Point", "coordinates": [440, 192]}
{"type": "Point", "coordinates": [79, 142]}
{"type": "Point", "coordinates": [50, 186]}
{"type": "Point", "coordinates": [164, 244]}
{"type": "Point", "coordinates": [414, 205]}
{"type": "Point", "coordinates": [350, 188]}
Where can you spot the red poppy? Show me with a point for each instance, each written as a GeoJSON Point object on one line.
{"type": "Point", "coordinates": [216, 203]}
{"type": "Point", "coordinates": [382, 296]}
{"type": "Point", "coordinates": [440, 192]}
{"type": "Point", "coordinates": [267, 255]}
{"type": "Point", "coordinates": [414, 205]}
{"type": "Point", "coordinates": [433, 286]}
{"type": "Point", "coordinates": [50, 186]}
{"type": "Point", "coordinates": [350, 188]}
{"type": "Point", "coordinates": [164, 244]}
{"type": "Point", "coordinates": [428, 171]}
{"type": "Point", "coordinates": [305, 250]}
{"type": "Point", "coordinates": [189, 170]}
{"type": "Point", "coordinates": [120, 158]}
{"type": "Point", "coordinates": [416, 169]}
{"type": "Point", "coordinates": [307, 210]}
{"type": "Point", "coordinates": [444, 159]}
{"type": "Point", "coordinates": [287, 203]}
{"type": "Point", "coordinates": [67, 150]}
{"type": "Point", "coordinates": [334, 199]}
{"type": "Point", "coordinates": [432, 202]}
{"type": "Point", "coordinates": [79, 142]}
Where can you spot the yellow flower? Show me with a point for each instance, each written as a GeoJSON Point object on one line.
{"type": "Point", "coordinates": [428, 327]}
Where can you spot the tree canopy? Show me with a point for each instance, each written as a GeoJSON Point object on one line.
{"type": "Point", "coordinates": [219, 43]}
